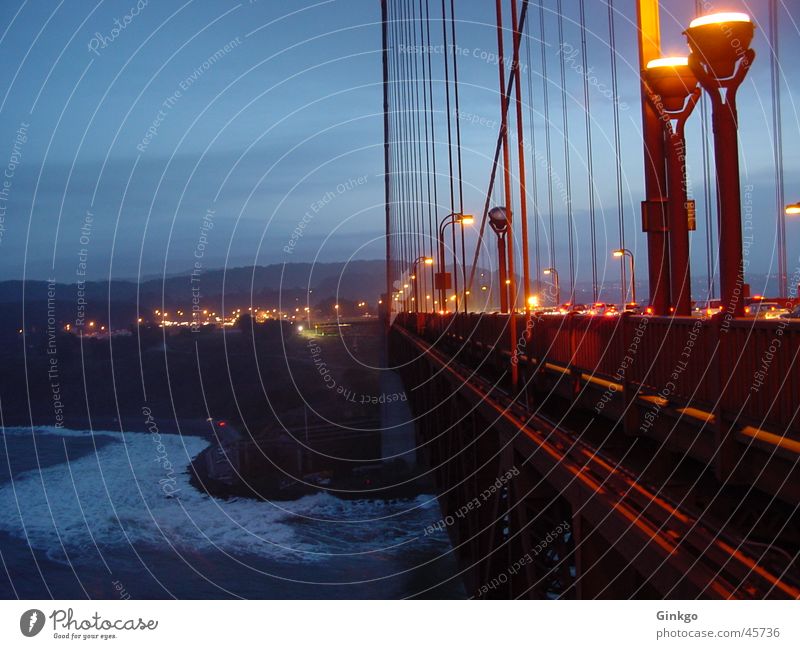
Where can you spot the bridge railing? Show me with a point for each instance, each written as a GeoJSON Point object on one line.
{"type": "Point", "coordinates": [746, 371]}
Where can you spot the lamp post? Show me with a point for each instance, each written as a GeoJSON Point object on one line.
{"type": "Point", "coordinates": [498, 220]}
{"type": "Point", "coordinates": [450, 219]}
{"type": "Point", "coordinates": [672, 90]}
{"type": "Point", "coordinates": [624, 252]}
{"type": "Point", "coordinates": [552, 271]}
{"type": "Point", "coordinates": [654, 218]}
{"type": "Point", "coordinates": [428, 262]}
{"type": "Point", "coordinates": [720, 58]}
{"type": "Point", "coordinates": [793, 209]}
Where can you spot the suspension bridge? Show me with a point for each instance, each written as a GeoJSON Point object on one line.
{"type": "Point", "coordinates": [587, 443]}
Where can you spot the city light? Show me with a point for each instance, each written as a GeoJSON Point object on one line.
{"type": "Point", "coordinates": [533, 301]}
{"type": "Point", "coordinates": [793, 209]}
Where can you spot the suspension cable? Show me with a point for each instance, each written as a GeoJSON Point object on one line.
{"type": "Point", "coordinates": [589, 150]}
{"type": "Point", "coordinates": [523, 197]}
{"type": "Point", "coordinates": [546, 100]}
{"type": "Point", "coordinates": [708, 196]}
{"type": "Point", "coordinates": [495, 162]}
{"type": "Point", "coordinates": [420, 233]}
{"type": "Point", "coordinates": [567, 173]}
{"type": "Point", "coordinates": [612, 41]}
{"type": "Point", "coordinates": [434, 237]}
{"type": "Point", "coordinates": [449, 149]}
{"type": "Point", "coordinates": [429, 247]}
{"type": "Point", "coordinates": [777, 149]}
{"type": "Point", "coordinates": [458, 148]}
{"type": "Point", "coordinates": [534, 180]}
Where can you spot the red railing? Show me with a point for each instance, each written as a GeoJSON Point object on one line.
{"type": "Point", "coordinates": [743, 370]}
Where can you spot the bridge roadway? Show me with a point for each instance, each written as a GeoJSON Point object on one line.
{"type": "Point", "coordinates": [542, 503]}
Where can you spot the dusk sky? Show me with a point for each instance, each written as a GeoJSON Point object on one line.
{"type": "Point", "coordinates": [149, 127]}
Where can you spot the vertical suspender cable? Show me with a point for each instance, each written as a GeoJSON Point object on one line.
{"type": "Point", "coordinates": [589, 152]}
{"type": "Point", "coordinates": [512, 293]}
{"type": "Point", "coordinates": [523, 195]}
{"type": "Point", "coordinates": [420, 221]}
{"type": "Point", "coordinates": [398, 176]}
{"type": "Point", "coordinates": [400, 179]}
{"type": "Point", "coordinates": [407, 175]}
{"type": "Point", "coordinates": [708, 196]}
{"type": "Point", "coordinates": [386, 167]}
{"type": "Point", "coordinates": [435, 208]}
{"type": "Point", "coordinates": [401, 114]}
{"type": "Point", "coordinates": [397, 179]}
{"type": "Point", "coordinates": [410, 140]}
{"type": "Point", "coordinates": [493, 173]}
{"type": "Point", "coordinates": [428, 251]}
{"type": "Point", "coordinates": [534, 182]}
{"type": "Point", "coordinates": [413, 145]}
{"type": "Point", "coordinates": [546, 100]}
{"type": "Point", "coordinates": [449, 145]}
{"type": "Point", "coordinates": [458, 146]}
{"type": "Point", "coordinates": [567, 173]}
{"type": "Point", "coordinates": [612, 41]}
{"type": "Point", "coordinates": [777, 147]}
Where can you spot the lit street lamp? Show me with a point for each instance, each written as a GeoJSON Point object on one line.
{"type": "Point", "coordinates": [443, 281]}
{"type": "Point", "coordinates": [624, 252]}
{"type": "Point", "coordinates": [720, 58]}
{"type": "Point", "coordinates": [673, 92]}
{"type": "Point", "coordinates": [793, 209]}
{"type": "Point", "coordinates": [498, 220]}
{"type": "Point", "coordinates": [556, 282]}
{"type": "Point", "coordinates": [428, 261]}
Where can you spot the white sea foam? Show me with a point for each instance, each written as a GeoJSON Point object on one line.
{"type": "Point", "coordinates": [116, 496]}
{"type": "Point", "coordinates": [59, 432]}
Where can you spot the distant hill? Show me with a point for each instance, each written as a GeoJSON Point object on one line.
{"type": "Point", "coordinates": [119, 301]}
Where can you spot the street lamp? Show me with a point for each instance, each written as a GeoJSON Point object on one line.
{"type": "Point", "coordinates": [720, 58]}
{"type": "Point", "coordinates": [428, 261]}
{"type": "Point", "coordinates": [443, 282]}
{"type": "Point", "coordinates": [498, 220]}
{"type": "Point", "coordinates": [672, 90]}
{"type": "Point", "coordinates": [624, 252]}
{"type": "Point", "coordinates": [556, 282]}
{"type": "Point", "coordinates": [793, 209]}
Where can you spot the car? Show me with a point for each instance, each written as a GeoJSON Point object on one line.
{"type": "Point", "coordinates": [706, 308]}
{"type": "Point", "coordinates": [602, 308]}
{"type": "Point", "coordinates": [765, 310]}
{"type": "Point", "coordinates": [793, 314]}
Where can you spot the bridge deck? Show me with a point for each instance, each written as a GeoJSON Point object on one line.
{"type": "Point", "coordinates": [626, 364]}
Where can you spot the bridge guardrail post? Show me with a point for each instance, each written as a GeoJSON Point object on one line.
{"type": "Point", "coordinates": [630, 390]}
{"type": "Point", "coordinates": [572, 366]}
{"type": "Point", "coordinates": [724, 441]}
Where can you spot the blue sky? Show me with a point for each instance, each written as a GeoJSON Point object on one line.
{"type": "Point", "coordinates": [157, 127]}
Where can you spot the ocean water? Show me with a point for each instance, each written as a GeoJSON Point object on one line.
{"type": "Point", "coordinates": [106, 514]}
